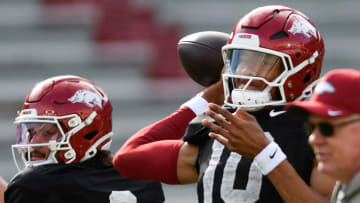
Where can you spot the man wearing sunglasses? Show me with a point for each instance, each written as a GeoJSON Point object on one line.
{"type": "Point", "coordinates": [333, 123]}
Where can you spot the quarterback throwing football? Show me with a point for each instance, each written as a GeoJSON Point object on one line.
{"type": "Point", "coordinates": [274, 56]}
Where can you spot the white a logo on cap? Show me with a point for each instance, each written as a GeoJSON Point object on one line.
{"type": "Point", "coordinates": [324, 87]}
{"type": "Point", "coordinates": [90, 98]}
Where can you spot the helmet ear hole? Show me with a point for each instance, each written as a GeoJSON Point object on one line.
{"type": "Point", "coordinates": [309, 76]}
{"type": "Point", "coordinates": [90, 135]}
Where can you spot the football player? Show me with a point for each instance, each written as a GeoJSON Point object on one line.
{"type": "Point", "coordinates": [63, 137]}
{"type": "Point", "coordinates": [274, 56]}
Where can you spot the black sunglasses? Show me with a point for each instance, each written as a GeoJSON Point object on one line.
{"type": "Point", "coordinates": [325, 128]}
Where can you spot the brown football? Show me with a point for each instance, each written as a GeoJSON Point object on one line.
{"type": "Point", "coordinates": [200, 55]}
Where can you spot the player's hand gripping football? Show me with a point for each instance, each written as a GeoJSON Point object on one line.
{"type": "Point", "coordinates": [239, 132]}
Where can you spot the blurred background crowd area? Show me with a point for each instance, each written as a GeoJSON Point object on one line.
{"type": "Point", "coordinates": [128, 48]}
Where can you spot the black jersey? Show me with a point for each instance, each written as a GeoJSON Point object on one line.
{"type": "Point", "coordinates": [226, 176]}
{"type": "Point", "coordinates": [80, 183]}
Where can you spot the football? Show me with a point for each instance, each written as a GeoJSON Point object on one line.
{"type": "Point", "coordinates": [200, 55]}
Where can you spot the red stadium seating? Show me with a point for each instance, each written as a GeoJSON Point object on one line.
{"type": "Point", "coordinates": [120, 21]}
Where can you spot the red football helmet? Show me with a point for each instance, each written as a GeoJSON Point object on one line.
{"type": "Point", "coordinates": [273, 50]}
{"type": "Point", "coordinates": [72, 116]}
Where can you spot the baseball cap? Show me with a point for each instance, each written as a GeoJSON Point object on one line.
{"type": "Point", "coordinates": [336, 94]}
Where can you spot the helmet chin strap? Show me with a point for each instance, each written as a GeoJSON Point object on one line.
{"type": "Point", "coordinates": [32, 164]}
{"type": "Point", "coordinates": [250, 100]}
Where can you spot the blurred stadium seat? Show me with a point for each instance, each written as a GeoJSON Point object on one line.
{"type": "Point", "coordinates": [122, 31]}
{"type": "Point", "coordinates": [133, 23]}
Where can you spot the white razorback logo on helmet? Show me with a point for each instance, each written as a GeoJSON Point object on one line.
{"type": "Point", "coordinates": [90, 98]}
{"type": "Point", "coordinates": [304, 27]}
{"type": "Point", "coordinates": [324, 87]}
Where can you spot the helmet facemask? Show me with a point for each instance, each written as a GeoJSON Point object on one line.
{"type": "Point", "coordinates": [253, 79]}
{"type": "Point", "coordinates": [262, 74]}
{"type": "Point", "coordinates": [276, 31]}
{"type": "Point", "coordinates": [39, 139]}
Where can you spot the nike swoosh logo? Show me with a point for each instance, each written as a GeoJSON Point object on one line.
{"type": "Point", "coordinates": [272, 155]}
{"type": "Point", "coordinates": [274, 113]}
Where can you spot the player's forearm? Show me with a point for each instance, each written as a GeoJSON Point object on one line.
{"type": "Point", "coordinates": [170, 128]}
{"type": "Point", "coordinates": [152, 153]}
{"type": "Point", "coordinates": [291, 187]}
{"type": "Point", "coordinates": [154, 161]}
